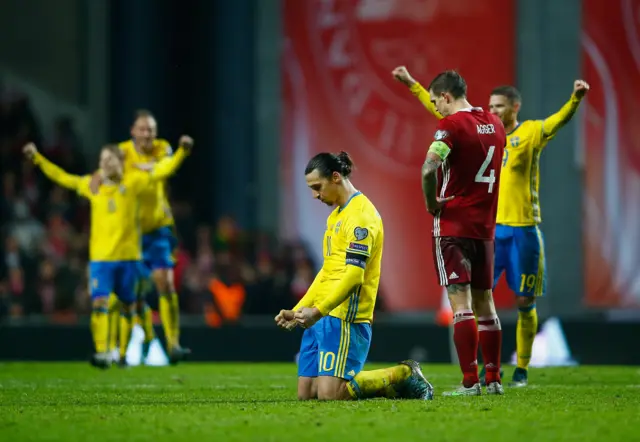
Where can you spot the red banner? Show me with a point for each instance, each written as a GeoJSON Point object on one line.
{"type": "Point", "coordinates": [339, 95]}
{"type": "Point", "coordinates": [611, 152]}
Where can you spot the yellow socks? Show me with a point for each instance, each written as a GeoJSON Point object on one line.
{"type": "Point", "coordinates": [525, 334]}
{"type": "Point", "coordinates": [175, 318]}
{"type": "Point", "coordinates": [170, 315]}
{"type": "Point", "coordinates": [114, 318]}
{"type": "Point", "coordinates": [100, 328]}
{"type": "Point", "coordinates": [378, 383]}
{"type": "Point", "coordinates": [126, 326]}
{"type": "Point", "coordinates": [167, 318]}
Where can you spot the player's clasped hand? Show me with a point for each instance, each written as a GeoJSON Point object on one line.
{"type": "Point", "coordinates": [440, 203]}
{"type": "Point", "coordinates": [306, 317]}
{"type": "Point", "coordinates": [285, 319]}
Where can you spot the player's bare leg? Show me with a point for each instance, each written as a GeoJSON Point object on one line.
{"type": "Point", "coordinates": [465, 337]}
{"type": "Point", "coordinates": [525, 335]}
{"type": "Point", "coordinates": [170, 313]}
{"type": "Point", "coordinates": [332, 389]}
{"type": "Point", "coordinates": [307, 388]}
{"type": "Point", "coordinates": [490, 338]}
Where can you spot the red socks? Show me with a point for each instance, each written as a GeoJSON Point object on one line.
{"type": "Point", "coordinates": [465, 336]}
{"type": "Point", "coordinates": [490, 333]}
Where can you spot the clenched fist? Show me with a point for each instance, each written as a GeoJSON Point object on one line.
{"type": "Point", "coordinates": [580, 88]}
{"type": "Point", "coordinates": [402, 75]}
{"type": "Point", "coordinates": [186, 142]}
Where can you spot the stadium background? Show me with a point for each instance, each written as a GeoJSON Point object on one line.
{"type": "Point", "coordinates": [261, 86]}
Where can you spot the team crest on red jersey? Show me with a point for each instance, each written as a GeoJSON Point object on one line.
{"type": "Point", "coordinates": [441, 135]}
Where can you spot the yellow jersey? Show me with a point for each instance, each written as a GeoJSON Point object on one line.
{"type": "Point", "coordinates": [354, 236]}
{"type": "Point", "coordinates": [518, 199]}
{"type": "Point", "coordinates": [155, 211]}
{"type": "Point", "coordinates": [115, 224]}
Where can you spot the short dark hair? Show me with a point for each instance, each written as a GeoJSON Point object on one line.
{"type": "Point", "coordinates": [142, 113]}
{"type": "Point", "coordinates": [114, 149]}
{"type": "Point", "coordinates": [326, 163]}
{"type": "Point", "coordinates": [451, 82]}
{"type": "Point", "coordinates": [512, 94]}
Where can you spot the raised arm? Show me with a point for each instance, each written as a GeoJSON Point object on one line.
{"type": "Point", "coordinates": [168, 165]}
{"type": "Point", "coordinates": [55, 173]}
{"type": "Point", "coordinates": [402, 75]}
{"type": "Point", "coordinates": [552, 124]}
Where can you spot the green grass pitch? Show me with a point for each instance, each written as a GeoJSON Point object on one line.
{"type": "Point", "coordinates": [257, 402]}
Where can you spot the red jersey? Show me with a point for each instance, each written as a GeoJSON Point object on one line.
{"type": "Point", "coordinates": [471, 172]}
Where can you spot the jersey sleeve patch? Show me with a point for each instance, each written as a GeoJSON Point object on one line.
{"type": "Point", "coordinates": [356, 259]}
{"type": "Point", "coordinates": [355, 247]}
{"type": "Point", "coordinates": [440, 135]}
{"type": "Point", "coordinates": [360, 233]}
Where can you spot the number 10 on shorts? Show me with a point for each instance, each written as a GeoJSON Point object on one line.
{"type": "Point", "coordinates": [327, 361]}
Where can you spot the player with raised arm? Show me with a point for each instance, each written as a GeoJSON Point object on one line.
{"type": "Point", "coordinates": [519, 241]}
{"type": "Point", "coordinates": [460, 179]}
{"type": "Point", "coordinates": [115, 242]}
{"type": "Point", "coordinates": [142, 151]}
{"type": "Point", "coordinates": [337, 310]}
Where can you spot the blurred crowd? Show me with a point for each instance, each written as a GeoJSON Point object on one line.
{"type": "Point", "coordinates": [222, 272]}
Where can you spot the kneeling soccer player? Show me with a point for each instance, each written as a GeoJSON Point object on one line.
{"type": "Point", "coordinates": [337, 310]}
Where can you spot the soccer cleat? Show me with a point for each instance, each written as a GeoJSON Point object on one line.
{"type": "Point", "coordinates": [495, 388]}
{"type": "Point", "coordinates": [474, 390]}
{"type": "Point", "coordinates": [415, 386]}
{"type": "Point", "coordinates": [101, 360]}
{"type": "Point", "coordinates": [177, 354]}
{"type": "Point", "coordinates": [482, 376]}
{"type": "Point", "coordinates": [520, 378]}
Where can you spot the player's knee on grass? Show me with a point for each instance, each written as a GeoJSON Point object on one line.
{"type": "Point", "coordinates": [524, 302]}
{"type": "Point", "coordinates": [307, 388]}
{"type": "Point", "coordinates": [483, 303]}
{"type": "Point", "coordinates": [163, 280]}
{"type": "Point", "coordinates": [459, 297]}
{"type": "Point", "coordinates": [332, 389]}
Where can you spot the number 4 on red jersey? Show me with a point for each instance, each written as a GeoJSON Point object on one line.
{"type": "Point", "coordinates": [471, 172]}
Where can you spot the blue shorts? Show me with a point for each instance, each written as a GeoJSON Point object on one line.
{"type": "Point", "coordinates": [520, 253]}
{"type": "Point", "coordinates": [333, 347]}
{"type": "Point", "coordinates": [157, 248]}
{"type": "Point", "coordinates": [119, 277]}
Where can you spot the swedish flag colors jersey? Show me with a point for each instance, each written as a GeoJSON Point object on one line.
{"type": "Point", "coordinates": [155, 211]}
{"type": "Point", "coordinates": [115, 227]}
{"type": "Point", "coordinates": [518, 200]}
{"type": "Point", "coordinates": [354, 236]}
